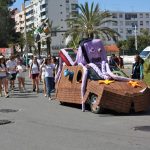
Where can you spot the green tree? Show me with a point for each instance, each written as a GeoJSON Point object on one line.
{"type": "Point", "coordinates": [7, 24]}
{"type": "Point", "coordinates": [143, 39]}
{"type": "Point", "coordinates": [89, 23]}
{"type": "Point", "coordinates": [129, 44]}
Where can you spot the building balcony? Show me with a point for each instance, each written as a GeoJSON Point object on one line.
{"type": "Point", "coordinates": [43, 2]}
{"type": "Point", "coordinates": [43, 10]}
{"type": "Point", "coordinates": [29, 16]}
{"type": "Point", "coordinates": [43, 17]}
{"type": "Point", "coordinates": [29, 22]}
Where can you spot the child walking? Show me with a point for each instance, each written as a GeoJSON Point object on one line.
{"type": "Point", "coordinates": [21, 76]}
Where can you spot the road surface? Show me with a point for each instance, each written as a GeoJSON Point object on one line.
{"type": "Point", "coordinates": [39, 124]}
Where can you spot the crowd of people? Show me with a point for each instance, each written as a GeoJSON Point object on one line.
{"type": "Point", "coordinates": [44, 71]}
{"type": "Point", "coordinates": [14, 68]}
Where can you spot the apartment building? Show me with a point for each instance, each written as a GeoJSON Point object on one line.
{"type": "Point", "coordinates": [20, 21]}
{"type": "Point", "coordinates": [129, 23]}
{"type": "Point", "coordinates": [56, 11]}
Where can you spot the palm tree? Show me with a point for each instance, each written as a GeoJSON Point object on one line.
{"type": "Point", "coordinates": [89, 23]}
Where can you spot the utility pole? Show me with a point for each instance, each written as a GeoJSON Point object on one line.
{"type": "Point", "coordinates": [25, 34]}
{"type": "Point", "coordinates": [135, 35]}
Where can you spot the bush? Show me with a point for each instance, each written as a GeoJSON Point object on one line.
{"type": "Point", "coordinates": [147, 71]}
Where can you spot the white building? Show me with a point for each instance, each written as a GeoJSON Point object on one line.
{"type": "Point", "coordinates": [56, 10]}
{"type": "Point", "coordinates": [20, 21]}
{"type": "Point", "coordinates": [129, 23]}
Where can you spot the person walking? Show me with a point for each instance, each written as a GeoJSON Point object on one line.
{"type": "Point", "coordinates": [49, 76]}
{"type": "Point", "coordinates": [11, 66]}
{"type": "Point", "coordinates": [21, 69]}
{"type": "Point", "coordinates": [34, 74]}
{"type": "Point", "coordinates": [113, 61]}
{"type": "Point", "coordinates": [3, 77]}
{"type": "Point", "coordinates": [137, 68]}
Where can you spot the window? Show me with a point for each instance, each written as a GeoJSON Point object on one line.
{"type": "Point", "coordinates": [128, 31]}
{"type": "Point", "coordinates": [147, 23]}
{"type": "Point", "coordinates": [141, 15]}
{"type": "Point", "coordinates": [141, 23]}
{"type": "Point", "coordinates": [74, 13]}
{"type": "Point", "coordinates": [128, 16]}
{"type": "Point", "coordinates": [114, 15]}
{"type": "Point", "coordinates": [67, 1]}
{"type": "Point", "coordinates": [121, 30]}
{"type": "Point", "coordinates": [43, 14]}
{"type": "Point", "coordinates": [120, 15]}
{"type": "Point", "coordinates": [121, 23]}
{"type": "Point", "coordinates": [147, 15]}
{"type": "Point", "coordinates": [73, 6]}
{"type": "Point", "coordinates": [114, 23]}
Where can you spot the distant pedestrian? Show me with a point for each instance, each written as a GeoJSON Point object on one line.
{"type": "Point", "coordinates": [113, 61]}
{"type": "Point", "coordinates": [34, 74]}
{"type": "Point", "coordinates": [11, 66]}
{"type": "Point", "coordinates": [121, 63]}
{"type": "Point", "coordinates": [49, 76]}
{"type": "Point", "coordinates": [3, 77]}
{"type": "Point", "coordinates": [21, 75]}
{"type": "Point", "coordinates": [137, 68]}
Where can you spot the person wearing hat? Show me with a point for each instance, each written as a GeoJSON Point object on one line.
{"type": "Point", "coordinates": [3, 75]}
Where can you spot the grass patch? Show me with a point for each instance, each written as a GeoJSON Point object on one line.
{"type": "Point", "coordinates": [147, 78]}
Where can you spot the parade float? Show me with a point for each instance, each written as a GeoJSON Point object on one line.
{"type": "Point", "coordinates": [84, 77]}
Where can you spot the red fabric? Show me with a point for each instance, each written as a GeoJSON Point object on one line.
{"type": "Point", "coordinates": [63, 57]}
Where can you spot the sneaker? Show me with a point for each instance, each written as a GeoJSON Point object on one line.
{"type": "Point", "coordinates": [49, 99]}
{"type": "Point", "coordinates": [33, 90]}
{"type": "Point", "coordinates": [45, 95]}
{"type": "Point", "coordinates": [6, 96]}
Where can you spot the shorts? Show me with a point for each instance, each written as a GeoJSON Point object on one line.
{"type": "Point", "coordinates": [34, 76]}
{"type": "Point", "coordinates": [1, 78]}
{"type": "Point", "coordinates": [13, 76]}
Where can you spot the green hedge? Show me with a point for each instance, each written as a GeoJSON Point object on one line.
{"type": "Point", "coordinates": [147, 71]}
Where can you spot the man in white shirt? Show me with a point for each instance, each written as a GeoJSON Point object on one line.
{"type": "Point", "coordinates": [11, 66]}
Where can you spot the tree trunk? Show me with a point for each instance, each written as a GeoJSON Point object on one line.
{"type": "Point", "coordinates": [39, 48]}
{"type": "Point", "coordinates": [48, 43]}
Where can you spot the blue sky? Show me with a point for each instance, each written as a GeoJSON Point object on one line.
{"type": "Point", "coordinates": [115, 5]}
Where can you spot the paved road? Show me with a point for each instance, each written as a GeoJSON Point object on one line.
{"type": "Point", "coordinates": [46, 125]}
